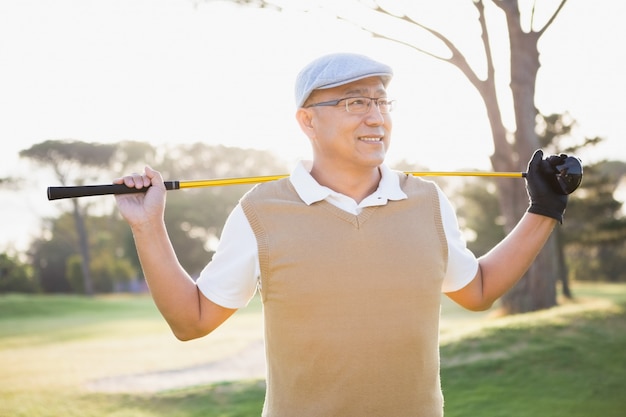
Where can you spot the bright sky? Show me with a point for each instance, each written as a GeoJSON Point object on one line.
{"type": "Point", "coordinates": [169, 71]}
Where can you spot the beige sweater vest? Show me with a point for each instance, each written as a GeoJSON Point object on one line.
{"type": "Point", "coordinates": [351, 303]}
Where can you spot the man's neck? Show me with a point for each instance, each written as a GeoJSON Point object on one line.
{"type": "Point", "coordinates": [354, 184]}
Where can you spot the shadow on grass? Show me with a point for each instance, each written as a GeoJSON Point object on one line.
{"type": "Point", "coordinates": [237, 399]}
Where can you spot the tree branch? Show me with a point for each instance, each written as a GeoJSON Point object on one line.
{"type": "Point", "coordinates": [552, 18]}
{"type": "Point", "coordinates": [457, 58]}
{"type": "Point", "coordinates": [485, 39]}
{"type": "Point", "coordinates": [532, 15]}
{"type": "Point", "coordinates": [510, 7]}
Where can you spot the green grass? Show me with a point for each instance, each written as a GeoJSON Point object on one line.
{"type": "Point", "coordinates": [52, 347]}
{"type": "Point", "coordinates": [569, 361]}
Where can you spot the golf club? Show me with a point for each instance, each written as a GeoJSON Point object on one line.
{"type": "Point", "coordinates": [566, 178]}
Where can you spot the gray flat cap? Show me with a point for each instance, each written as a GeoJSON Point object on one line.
{"type": "Point", "coordinates": [338, 69]}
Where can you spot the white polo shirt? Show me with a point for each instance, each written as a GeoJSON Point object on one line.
{"type": "Point", "coordinates": [232, 277]}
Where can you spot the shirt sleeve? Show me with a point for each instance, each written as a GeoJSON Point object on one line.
{"type": "Point", "coordinates": [462, 263]}
{"type": "Point", "coordinates": [230, 278]}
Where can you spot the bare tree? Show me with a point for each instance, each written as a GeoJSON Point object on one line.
{"type": "Point", "coordinates": [537, 289]}
{"type": "Point", "coordinates": [512, 149]}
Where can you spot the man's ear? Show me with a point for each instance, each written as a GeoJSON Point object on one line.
{"type": "Point", "coordinates": [305, 118]}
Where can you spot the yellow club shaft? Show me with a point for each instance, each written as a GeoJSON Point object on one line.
{"type": "Point", "coordinates": [266, 178]}
{"type": "Point", "coordinates": [56, 193]}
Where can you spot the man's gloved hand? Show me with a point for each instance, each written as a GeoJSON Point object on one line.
{"type": "Point", "coordinates": [540, 176]}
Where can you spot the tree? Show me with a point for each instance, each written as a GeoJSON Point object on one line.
{"type": "Point", "coordinates": [595, 241]}
{"type": "Point", "coordinates": [555, 133]}
{"type": "Point", "coordinates": [50, 252]}
{"type": "Point", "coordinates": [111, 269]}
{"type": "Point", "coordinates": [57, 261]}
{"type": "Point", "coordinates": [16, 276]}
{"type": "Point", "coordinates": [74, 161]}
{"type": "Point", "coordinates": [512, 149]}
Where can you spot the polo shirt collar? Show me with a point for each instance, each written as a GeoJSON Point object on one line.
{"type": "Point", "coordinates": [310, 191]}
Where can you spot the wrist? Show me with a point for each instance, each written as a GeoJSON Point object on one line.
{"type": "Point", "coordinates": [547, 212]}
{"type": "Point", "coordinates": [147, 227]}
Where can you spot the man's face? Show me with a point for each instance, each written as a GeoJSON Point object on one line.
{"type": "Point", "coordinates": [352, 140]}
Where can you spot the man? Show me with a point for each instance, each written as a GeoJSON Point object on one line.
{"type": "Point", "coordinates": [349, 256]}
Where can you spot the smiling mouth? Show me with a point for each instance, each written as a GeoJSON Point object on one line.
{"type": "Point", "coordinates": [371, 138]}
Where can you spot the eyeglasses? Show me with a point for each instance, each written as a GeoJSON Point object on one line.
{"type": "Point", "coordinates": [360, 104]}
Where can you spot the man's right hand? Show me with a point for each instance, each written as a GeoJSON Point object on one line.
{"type": "Point", "coordinates": [141, 208]}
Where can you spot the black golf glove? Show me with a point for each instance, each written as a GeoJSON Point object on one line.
{"type": "Point", "coordinates": [540, 179]}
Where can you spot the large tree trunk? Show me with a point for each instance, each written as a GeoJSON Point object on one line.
{"type": "Point", "coordinates": [537, 289]}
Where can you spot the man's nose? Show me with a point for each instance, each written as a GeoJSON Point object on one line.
{"type": "Point", "coordinates": [374, 115]}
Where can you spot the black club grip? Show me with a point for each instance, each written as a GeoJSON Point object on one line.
{"type": "Point", "coordinates": [57, 193]}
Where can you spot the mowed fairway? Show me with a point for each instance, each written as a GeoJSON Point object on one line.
{"type": "Point", "coordinates": [115, 356]}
